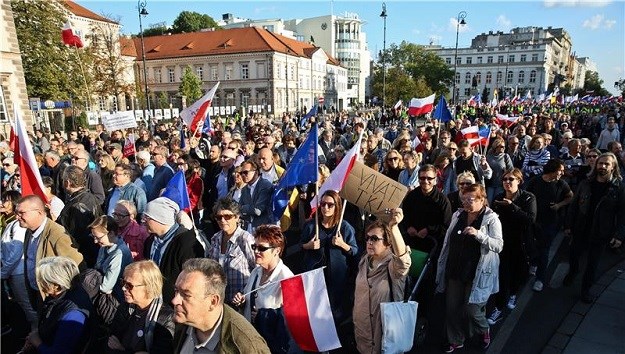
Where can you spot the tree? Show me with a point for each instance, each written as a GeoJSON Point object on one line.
{"type": "Point", "coordinates": [163, 100]}
{"type": "Point", "coordinates": [190, 86]}
{"type": "Point", "coordinates": [156, 31]}
{"type": "Point", "coordinates": [191, 21]}
{"type": "Point", "coordinates": [592, 82]}
{"type": "Point", "coordinates": [52, 70]}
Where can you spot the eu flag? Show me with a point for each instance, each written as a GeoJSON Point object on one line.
{"type": "Point", "coordinates": [176, 190]}
{"type": "Point", "coordinates": [310, 114]}
{"type": "Point", "coordinates": [442, 112]}
{"type": "Point", "coordinates": [301, 170]}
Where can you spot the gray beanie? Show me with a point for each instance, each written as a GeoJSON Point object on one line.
{"type": "Point", "coordinates": [162, 210]}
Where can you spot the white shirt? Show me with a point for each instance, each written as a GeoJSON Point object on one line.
{"type": "Point", "coordinates": [269, 297]}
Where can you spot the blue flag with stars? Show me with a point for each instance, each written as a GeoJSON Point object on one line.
{"type": "Point", "coordinates": [442, 112]}
{"type": "Point", "coordinates": [310, 114]}
{"type": "Point", "coordinates": [302, 169]}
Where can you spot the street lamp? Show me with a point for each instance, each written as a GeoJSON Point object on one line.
{"type": "Point", "coordinates": [460, 21]}
{"type": "Point", "coordinates": [144, 12]}
{"type": "Point", "coordinates": [384, 15]}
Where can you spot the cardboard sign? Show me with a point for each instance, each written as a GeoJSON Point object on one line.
{"type": "Point", "coordinates": [119, 120]}
{"type": "Point", "coordinates": [373, 191]}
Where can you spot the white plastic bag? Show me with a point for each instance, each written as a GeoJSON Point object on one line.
{"type": "Point", "coordinates": [398, 326]}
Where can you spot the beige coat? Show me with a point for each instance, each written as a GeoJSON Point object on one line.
{"type": "Point", "coordinates": [54, 241]}
{"type": "Point", "coordinates": [372, 289]}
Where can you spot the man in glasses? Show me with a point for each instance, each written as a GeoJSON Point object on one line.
{"type": "Point", "coordinates": [124, 190]}
{"type": "Point", "coordinates": [427, 211]}
{"type": "Point", "coordinates": [255, 196]}
{"type": "Point", "coordinates": [80, 158]}
{"type": "Point", "coordinates": [162, 173]}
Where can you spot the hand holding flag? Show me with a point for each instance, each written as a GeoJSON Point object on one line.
{"type": "Point", "coordinates": [196, 113]}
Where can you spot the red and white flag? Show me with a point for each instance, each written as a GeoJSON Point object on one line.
{"type": "Point", "coordinates": [505, 121]}
{"type": "Point", "coordinates": [30, 178]}
{"type": "Point", "coordinates": [129, 145]}
{"type": "Point", "coordinates": [69, 37]}
{"type": "Point", "coordinates": [398, 105]}
{"type": "Point", "coordinates": [196, 113]}
{"type": "Point", "coordinates": [421, 105]}
{"type": "Point", "coordinates": [307, 311]}
{"type": "Point", "coordinates": [336, 180]}
{"type": "Point", "coordinates": [471, 134]}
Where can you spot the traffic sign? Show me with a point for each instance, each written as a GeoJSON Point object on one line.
{"type": "Point", "coordinates": [321, 100]}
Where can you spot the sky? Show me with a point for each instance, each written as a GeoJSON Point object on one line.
{"type": "Point", "coordinates": [596, 27]}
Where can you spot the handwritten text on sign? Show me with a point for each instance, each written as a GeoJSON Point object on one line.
{"type": "Point", "coordinates": [373, 191]}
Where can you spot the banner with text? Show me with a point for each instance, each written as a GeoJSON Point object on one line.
{"type": "Point", "coordinates": [119, 120]}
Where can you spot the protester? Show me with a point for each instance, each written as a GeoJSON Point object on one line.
{"type": "Point", "coordinates": [124, 190]}
{"type": "Point", "coordinates": [162, 173]}
{"type": "Point", "coordinates": [135, 235]}
{"type": "Point", "coordinates": [255, 197]}
{"type": "Point", "coordinates": [409, 176]}
{"type": "Point", "coordinates": [393, 165]}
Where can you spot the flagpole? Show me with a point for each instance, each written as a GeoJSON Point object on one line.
{"type": "Point", "coordinates": [278, 281]}
{"type": "Point", "coordinates": [84, 79]}
{"type": "Point", "coordinates": [317, 211]}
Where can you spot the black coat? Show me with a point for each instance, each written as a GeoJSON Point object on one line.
{"type": "Point", "coordinates": [182, 246]}
{"type": "Point", "coordinates": [517, 222]}
{"type": "Point", "coordinates": [431, 211]}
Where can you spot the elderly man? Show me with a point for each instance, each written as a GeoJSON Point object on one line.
{"type": "Point", "coordinates": [169, 244]}
{"type": "Point", "coordinates": [53, 161]}
{"type": "Point", "coordinates": [147, 167]}
{"type": "Point", "coordinates": [209, 326]}
{"type": "Point", "coordinates": [162, 174]}
{"type": "Point", "coordinates": [255, 196]}
{"type": "Point", "coordinates": [94, 181]}
{"type": "Point", "coordinates": [124, 190]}
{"type": "Point", "coordinates": [125, 216]}
{"type": "Point", "coordinates": [116, 152]}
{"type": "Point", "coordinates": [44, 238]}
{"type": "Point", "coordinates": [268, 169]}
{"type": "Point", "coordinates": [81, 209]}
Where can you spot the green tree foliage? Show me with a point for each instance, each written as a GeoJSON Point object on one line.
{"type": "Point", "coordinates": [190, 86]}
{"type": "Point", "coordinates": [592, 82]}
{"type": "Point", "coordinates": [163, 100]}
{"type": "Point", "coordinates": [156, 31]}
{"type": "Point", "coordinates": [412, 71]}
{"type": "Point", "coordinates": [52, 70]}
{"type": "Point", "coordinates": [191, 21]}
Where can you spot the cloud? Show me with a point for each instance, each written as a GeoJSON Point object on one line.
{"type": "Point", "coordinates": [598, 21]}
{"type": "Point", "coordinates": [576, 3]}
{"type": "Point", "coordinates": [453, 26]}
{"type": "Point", "coordinates": [503, 22]}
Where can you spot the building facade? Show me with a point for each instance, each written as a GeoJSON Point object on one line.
{"type": "Point", "coordinates": [259, 71]}
{"type": "Point", "coordinates": [532, 59]}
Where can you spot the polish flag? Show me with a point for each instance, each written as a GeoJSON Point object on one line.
{"type": "Point", "coordinates": [195, 114]}
{"type": "Point", "coordinates": [307, 311]}
{"type": "Point", "coordinates": [336, 180]}
{"type": "Point", "coordinates": [398, 105]}
{"type": "Point", "coordinates": [129, 146]}
{"type": "Point", "coordinates": [30, 178]}
{"type": "Point", "coordinates": [421, 105]}
{"type": "Point", "coordinates": [471, 134]}
{"type": "Point", "coordinates": [505, 121]}
{"type": "Point", "coordinates": [69, 37]}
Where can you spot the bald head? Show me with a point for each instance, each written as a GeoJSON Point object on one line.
{"type": "Point", "coordinates": [265, 159]}
{"type": "Point", "coordinates": [30, 212]}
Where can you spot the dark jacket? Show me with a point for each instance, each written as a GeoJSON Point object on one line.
{"type": "Point", "coordinates": [431, 211]}
{"type": "Point", "coordinates": [81, 209]}
{"type": "Point", "coordinates": [256, 208]}
{"type": "Point", "coordinates": [517, 222]}
{"type": "Point", "coordinates": [608, 218]}
{"type": "Point", "coordinates": [162, 175]}
{"type": "Point", "coordinates": [182, 246]}
{"type": "Point", "coordinates": [94, 184]}
{"type": "Point", "coordinates": [237, 335]}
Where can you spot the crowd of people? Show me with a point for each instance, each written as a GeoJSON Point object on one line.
{"type": "Point", "coordinates": [105, 262]}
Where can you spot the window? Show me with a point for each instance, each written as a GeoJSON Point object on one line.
{"type": "Point", "coordinates": [533, 76]}
{"type": "Point", "coordinates": [199, 71]}
{"type": "Point", "coordinates": [102, 103]}
{"type": "Point", "coordinates": [489, 77]}
{"type": "Point", "coordinates": [157, 76]}
{"type": "Point", "coordinates": [478, 77]}
{"type": "Point", "coordinates": [523, 58]}
{"type": "Point", "coordinates": [448, 61]}
{"type": "Point", "coordinates": [511, 58]}
{"type": "Point", "coordinates": [214, 73]}
{"type": "Point", "coordinates": [500, 59]}
{"type": "Point", "coordinates": [458, 60]}
{"type": "Point", "coordinates": [260, 71]}
{"type": "Point", "coordinates": [228, 75]}
{"type": "Point", "coordinates": [457, 78]}
{"type": "Point", "coordinates": [534, 57]}
{"type": "Point", "coordinates": [479, 60]}
{"type": "Point", "coordinates": [467, 78]}
{"type": "Point", "coordinates": [499, 77]}
{"type": "Point", "coordinates": [509, 77]}
{"type": "Point", "coordinates": [521, 77]}
{"type": "Point", "coordinates": [489, 59]}
{"type": "Point", "coordinates": [171, 74]}
{"type": "Point", "coordinates": [467, 92]}
{"type": "Point", "coordinates": [245, 71]}
{"type": "Point", "coordinates": [469, 60]}
{"type": "Point", "coordinates": [3, 108]}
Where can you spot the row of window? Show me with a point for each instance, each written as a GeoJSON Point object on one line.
{"type": "Point", "coordinates": [490, 58]}
{"type": "Point", "coordinates": [477, 78]}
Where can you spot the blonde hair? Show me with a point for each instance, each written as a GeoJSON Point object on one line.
{"type": "Point", "coordinates": [151, 274]}
{"type": "Point", "coordinates": [60, 271]}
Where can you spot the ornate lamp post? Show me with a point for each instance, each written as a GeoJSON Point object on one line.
{"type": "Point", "coordinates": [460, 21]}
{"type": "Point", "coordinates": [384, 15]}
{"type": "Point", "coordinates": [144, 12]}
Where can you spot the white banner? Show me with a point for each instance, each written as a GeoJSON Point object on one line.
{"type": "Point", "coordinates": [175, 113]}
{"type": "Point", "coordinates": [92, 118]}
{"type": "Point", "coordinates": [158, 114]}
{"type": "Point", "coordinates": [167, 113]}
{"type": "Point", "coordinates": [119, 120]}
{"type": "Point", "coordinates": [139, 114]}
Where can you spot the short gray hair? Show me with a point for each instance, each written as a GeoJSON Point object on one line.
{"type": "Point", "coordinates": [213, 273]}
{"type": "Point", "coordinates": [58, 270]}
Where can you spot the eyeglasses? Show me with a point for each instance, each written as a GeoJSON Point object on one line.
{"type": "Point", "coordinates": [470, 200]}
{"type": "Point", "coordinates": [328, 205]}
{"type": "Point", "coordinates": [261, 248]}
{"type": "Point", "coordinates": [373, 238]}
{"type": "Point", "coordinates": [130, 286]}
{"type": "Point", "coordinates": [75, 158]}
{"type": "Point", "coordinates": [6, 164]}
{"type": "Point", "coordinates": [98, 237]}
{"type": "Point", "coordinates": [245, 172]}
{"type": "Point", "coordinates": [592, 156]}
{"type": "Point", "coordinates": [426, 178]}
{"type": "Point", "coordinates": [21, 213]}
{"type": "Point", "coordinates": [465, 183]}
{"type": "Point", "coordinates": [392, 159]}
{"type": "Point", "coordinates": [119, 215]}
{"type": "Point", "coordinates": [224, 157]}
{"type": "Point", "coordinates": [509, 179]}
{"type": "Point", "coordinates": [226, 217]}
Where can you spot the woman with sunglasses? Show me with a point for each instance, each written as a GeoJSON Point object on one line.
{"type": "Point", "coordinates": [468, 268]}
{"type": "Point", "coordinates": [387, 259]}
{"type": "Point", "coordinates": [463, 180]}
{"type": "Point", "coordinates": [499, 162]}
{"type": "Point", "coordinates": [335, 247]}
{"type": "Point", "coordinates": [517, 212]}
{"type": "Point", "coordinates": [268, 248]}
{"type": "Point", "coordinates": [143, 322]}
{"type": "Point", "coordinates": [393, 165]}
{"type": "Point", "coordinates": [232, 247]}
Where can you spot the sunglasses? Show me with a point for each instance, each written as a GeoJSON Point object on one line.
{"type": "Point", "coordinates": [130, 286]}
{"type": "Point", "coordinates": [392, 159]}
{"type": "Point", "coordinates": [261, 248]}
{"type": "Point", "coordinates": [592, 156]}
{"type": "Point", "coordinates": [226, 217]}
{"type": "Point", "coordinates": [327, 205]}
{"type": "Point", "coordinates": [246, 172]}
{"type": "Point", "coordinates": [509, 179]}
{"type": "Point", "coordinates": [373, 238]}
{"type": "Point", "coordinates": [465, 183]}
{"type": "Point", "coordinates": [425, 178]}
{"type": "Point", "coordinates": [118, 215]}
{"type": "Point", "coordinates": [224, 157]}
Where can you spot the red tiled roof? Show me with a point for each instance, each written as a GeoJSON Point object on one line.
{"type": "Point", "coordinates": [84, 12]}
{"type": "Point", "coordinates": [219, 42]}
{"type": "Point", "coordinates": [127, 47]}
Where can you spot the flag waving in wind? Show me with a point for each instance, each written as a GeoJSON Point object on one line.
{"type": "Point", "coordinates": [196, 113]}
{"type": "Point", "coordinates": [421, 105]}
{"type": "Point", "coordinates": [310, 114]}
{"type": "Point", "coordinates": [30, 178]}
{"type": "Point", "coordinates": [442, 112]}
{"type": "Point", "coordinates": [69, 37]}
{"type": "Point", "coordinates": [176, 190]}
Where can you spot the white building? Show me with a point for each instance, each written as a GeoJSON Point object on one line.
{"type": "Point", "coordinates": [525, 59]}
{"type": "Point", "coordinates": [339, 36]}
